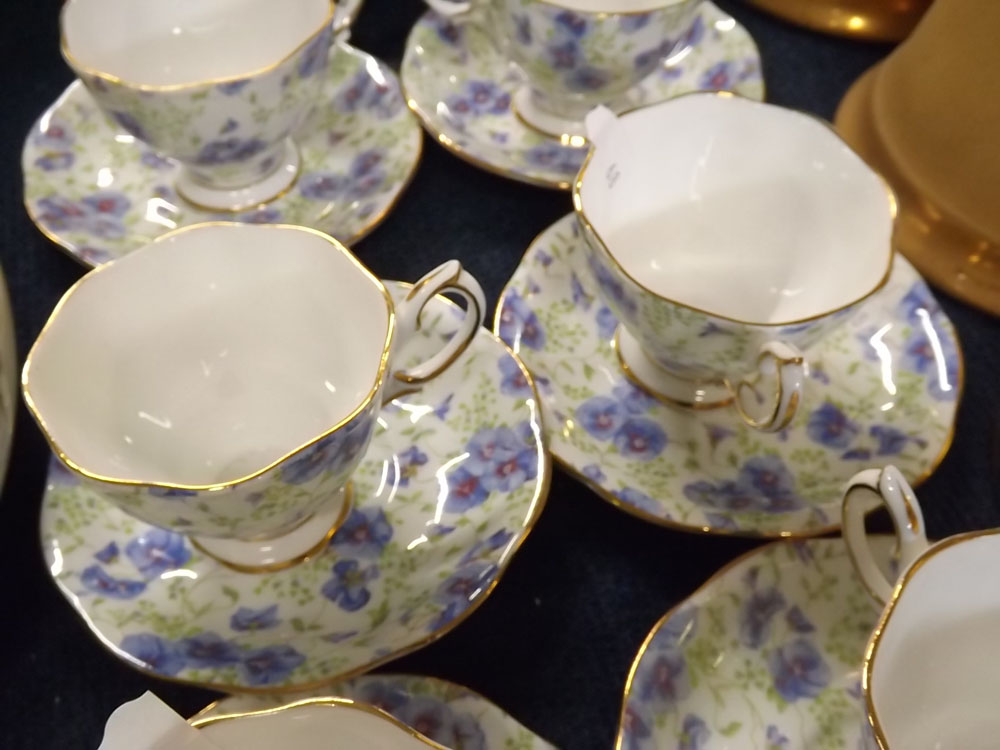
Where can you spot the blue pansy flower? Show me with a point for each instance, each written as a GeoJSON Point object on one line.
{"type": "Point", "coordinates": [409, 462]}
{"type": "Point", "coordinates": [495, 541]}
{"type": "Point", "coordinates": [572, 23]}
{"type": "Point", "coordinates": [490, 447]}
{"type": "Point", "coordinates": [633, 399]}
{"type": "Point", "coordinates": [694, 733]}
{"type": "Point", "coordinates": [720, 521]}
{"type": "Point", "coordinates": [263, 215]}
{"type": "Point", "coordinates": [171, 493]}
{"type": "Point", "coordinates": [763, 484]}
{"type": "Point", "coordinates": [640, 438]}
{"type": "Point", "coordinates": [154, 160]}
{"type": "Point", "coordinates": [769, 476]}
{"type": "Point", "coordinates": [445, 616]}
{"type": "Point", "coordinates": [857, 454]}
{"type": "Point", "coordinates": [132, 125]}
{"type": "Point", "coordinates": [562, 54]}
{"type": "Point", "coordinates": [696, 32]}
{"type": "Point", "coordinates": [161, 655]}
{"type": "Point", "coordinates": [270, 665]}
{"type": "Point", "coordinates": [349, 585]}
{"type": "Point", "coordinates": [636, 499]}
{"type": "Point", "coordinates": [466, 584]}
{"type": "Point", "coordinates": [108, 553]}
{"type": "Point", "coordinates": [310, 462]}
{"type": "Point", "coordinates": [601, 416]}
{"type": "Point", "coordinates": [254, 619]}
{"type": "Point", "coordinates": [465, 491]}
{"type": "Point", "coordinates": [208, 651]}
{"type": "Point", "coordinates": [513, 382]}
{"type": "Point", "coordinates": [755, 619]}
{"type": "Point", "coordinates": [447, 30]}
{"type": "Point", "coordinates": [230, 88]}
{"type": "Point", "coordinates": [229, 150]}
{"type": "Point", "coordinates": [514, 463]}
{"type": "Point", "coordinates": [437, 721]}
{"type": "Point", "coordinates": [798, 670]}
{"type": "Point", "coordinates": [314, 56]}
{"type": "Point", "coordinates": [918, 297]}
{"type": "Point", "coordinates": [720, 76]}
{"type": "Point", "coordinates": [522, 29]}
{"type": "Point", "coordinates": [340, 636]}
{"type": "Point", "coordinates": [59, 213]}
{"type": "Point", "coordinates": [55, 136]}
{"type": "Point", "coordinates": [486, 97]}
{"type": "Point", "coordinates": [775, 739]}
{"type": "Point", "coordinates": [157, 551]}
{"type": "Point", "coordinates": [53, 161]}
{"type": "Point", "coordinates": [607, 323]}
{"type": "Point", "coordinates": [632, 22]}
{"type": "Point", "coordinates": [580, 297]}
{"type": "Point", "coordinates": [519, 325]}
{"type": "Point", "coordinates": [611, 286]}
{"type": "Point", "coordinates": [95, 579]}
{"type": "Point", "coordinates": [364, 92]}
{"type": "Point", "coordinates": [829, 426]}
{"type": "Point", "coordinates": [324, 186]}
{"type": "Point", "coordinates": [383, 694]}
{"type": "Point", "coordinates": [662, 678]}
{"type": "Point", "coordinates": [365, 533]}
{"type": "Point", "coordinates": [554, 156]}
{"type": "Point", "coordinates": [593, 472]}
{"type": "Point", "coordinates": [587, 78]}
{"type": "Point", "coordinates": [107, 202]}
{"type": "Point", "coordinates": [635, 726]}
{"type": "Point", "coordinates": [679, 628]}
{"type": "Point", "coordinates": [798, 621]}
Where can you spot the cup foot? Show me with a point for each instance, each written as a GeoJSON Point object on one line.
{"type": "Point", "coordinates": [274, 185]}
{"type": "Point", "coordinates": [524, 107]}
{"type": "Point", "coordinates": [304, 541]}
{"type": "Point", "coordinates": [663, 385]}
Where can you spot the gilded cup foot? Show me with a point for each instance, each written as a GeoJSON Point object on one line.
{"type": "Point", "coordinates": [295, 546]}
{"type": "Point", "coordinates": [663, 385]}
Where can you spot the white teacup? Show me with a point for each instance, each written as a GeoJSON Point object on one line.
{"type": "Point", "coordinates": [224, 381]}
{"type": "Point", "coordinates": [932, 667]}
{"type": "Point", "coordinates": [727, 235]}
{"type": "Point", "coordinates": [577, 54]}
{"type": "Point", "coordinates": [220, 86]}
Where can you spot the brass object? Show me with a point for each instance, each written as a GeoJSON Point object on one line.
{"type": "Point", "coordinates": [874, 20]}
{"type": "Point", "coordinates": [924, 118]}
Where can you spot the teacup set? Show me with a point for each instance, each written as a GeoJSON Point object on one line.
{"type": "Point", "coordinates": [274, 471]}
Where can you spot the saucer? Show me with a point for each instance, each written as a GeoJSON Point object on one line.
{"type": "Point", "coordinates": [766, 654]}
{"type": "Point", "coordinates": [100, 193]}
{"type": "Point", "coordinates": [444, 712]}
{"type": "Point", "coordinates": [881, 388]}
{"type": "Point", "coordinates": [460, 86]}
{"type": "Point", "coordinates": [452, 484]}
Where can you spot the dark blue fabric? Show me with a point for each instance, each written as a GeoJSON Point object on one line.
{"type": "Point", "coordinates": [554, 643]}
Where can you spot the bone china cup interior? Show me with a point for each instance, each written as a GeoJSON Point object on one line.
{"type": "Point", "coordinates": [218, 85]}
{"type": "Point", "coordinates": [224, 381]}
{"type": "Point", "coordinates": [715, 224]}
{"type": "Point", "coordinates": [932, 667]}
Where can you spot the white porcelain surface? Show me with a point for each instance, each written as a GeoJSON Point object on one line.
{"type": "Point", "coordinates": [334, 724]}
{"type": "Point", "coordinates": [234, 385]}
{"type": "Point", "coordinates": [932, 668]}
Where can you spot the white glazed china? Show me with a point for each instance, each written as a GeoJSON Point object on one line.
{"type": "Point", "coordinates": [333, 723]}
{"type": "Point", "coordinates": [576, 54]}
{"type": "Point", "coordinates": [221, 87]}
{"type": "Point", "coordinates": [444, 712]}
{"type": "Point", "coordinates": [451, 485]}
{"type": "Point", "coordinates": [932, 666]}
{"type": "Point", "coordinates": [885, 386]}
{"type": "Point", "coordinates": [233, 387]}
{"type": "Point", "coordinates": [714, 213]}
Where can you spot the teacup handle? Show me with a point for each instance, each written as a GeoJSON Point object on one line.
{"type": "Point", "coordinates": [448, 277]}
{"type": "Point", "coordinates": [865, 491]}
{"type": "Point", "coordinates": [787, 364]}
{"type": "Point", "coordinates": [448, 8]}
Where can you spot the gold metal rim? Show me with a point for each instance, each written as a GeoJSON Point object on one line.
{"type": "Point", "coordinates": [370, 225]}
{"type": "Point", "coordinates": [748, 534]}
{"type": "Point", "coordinates": [542, 486]}
{"type": "Point", "coordinates": [348, 703]}
{"type": "Point", "coordinates": [116, 80]}
{"type": "Point", "coordinates": [310, 553]}
{"type": "Point", "coordinates": [94, 476]}
{"type": "Point", "coordinates": [876, 637]}
{"type": "Point", "coordinates": [581, 214]}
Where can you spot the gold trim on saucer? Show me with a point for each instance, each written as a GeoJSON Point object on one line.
{"type": "Point", "coordinates": [581, 214]}
{"type": "Point", "coordinates": [868, 664]}
{"type": "Point", "coordinates": [748, 534]}
{"type": "Point", "coordinates": [330, 702]}
{"type": "Point", "coordinates": [310, 553]}
{"type": "Point", "coordinates": [542, 486]}
{"type": "Point", "coordinates": [116, 80]}
{"type": "Point", "coordinates": [366, 401]}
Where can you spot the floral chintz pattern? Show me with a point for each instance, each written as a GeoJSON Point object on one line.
{"type": "Point", "coordinates": [866, 398]}
{"type": "Point", "coordinates": [448, 714]}
{"type": "Point", "coordinates": [765, 655]}
{"type": "Point", "coordinates": [461, 85]}
{"type": "Point", "coordinates": [404, 566]}
{"type": "Point", "coordinates": [357, 150]}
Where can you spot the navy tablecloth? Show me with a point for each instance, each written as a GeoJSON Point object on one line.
{"type": "Point", "coordinates": [554, 643]}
